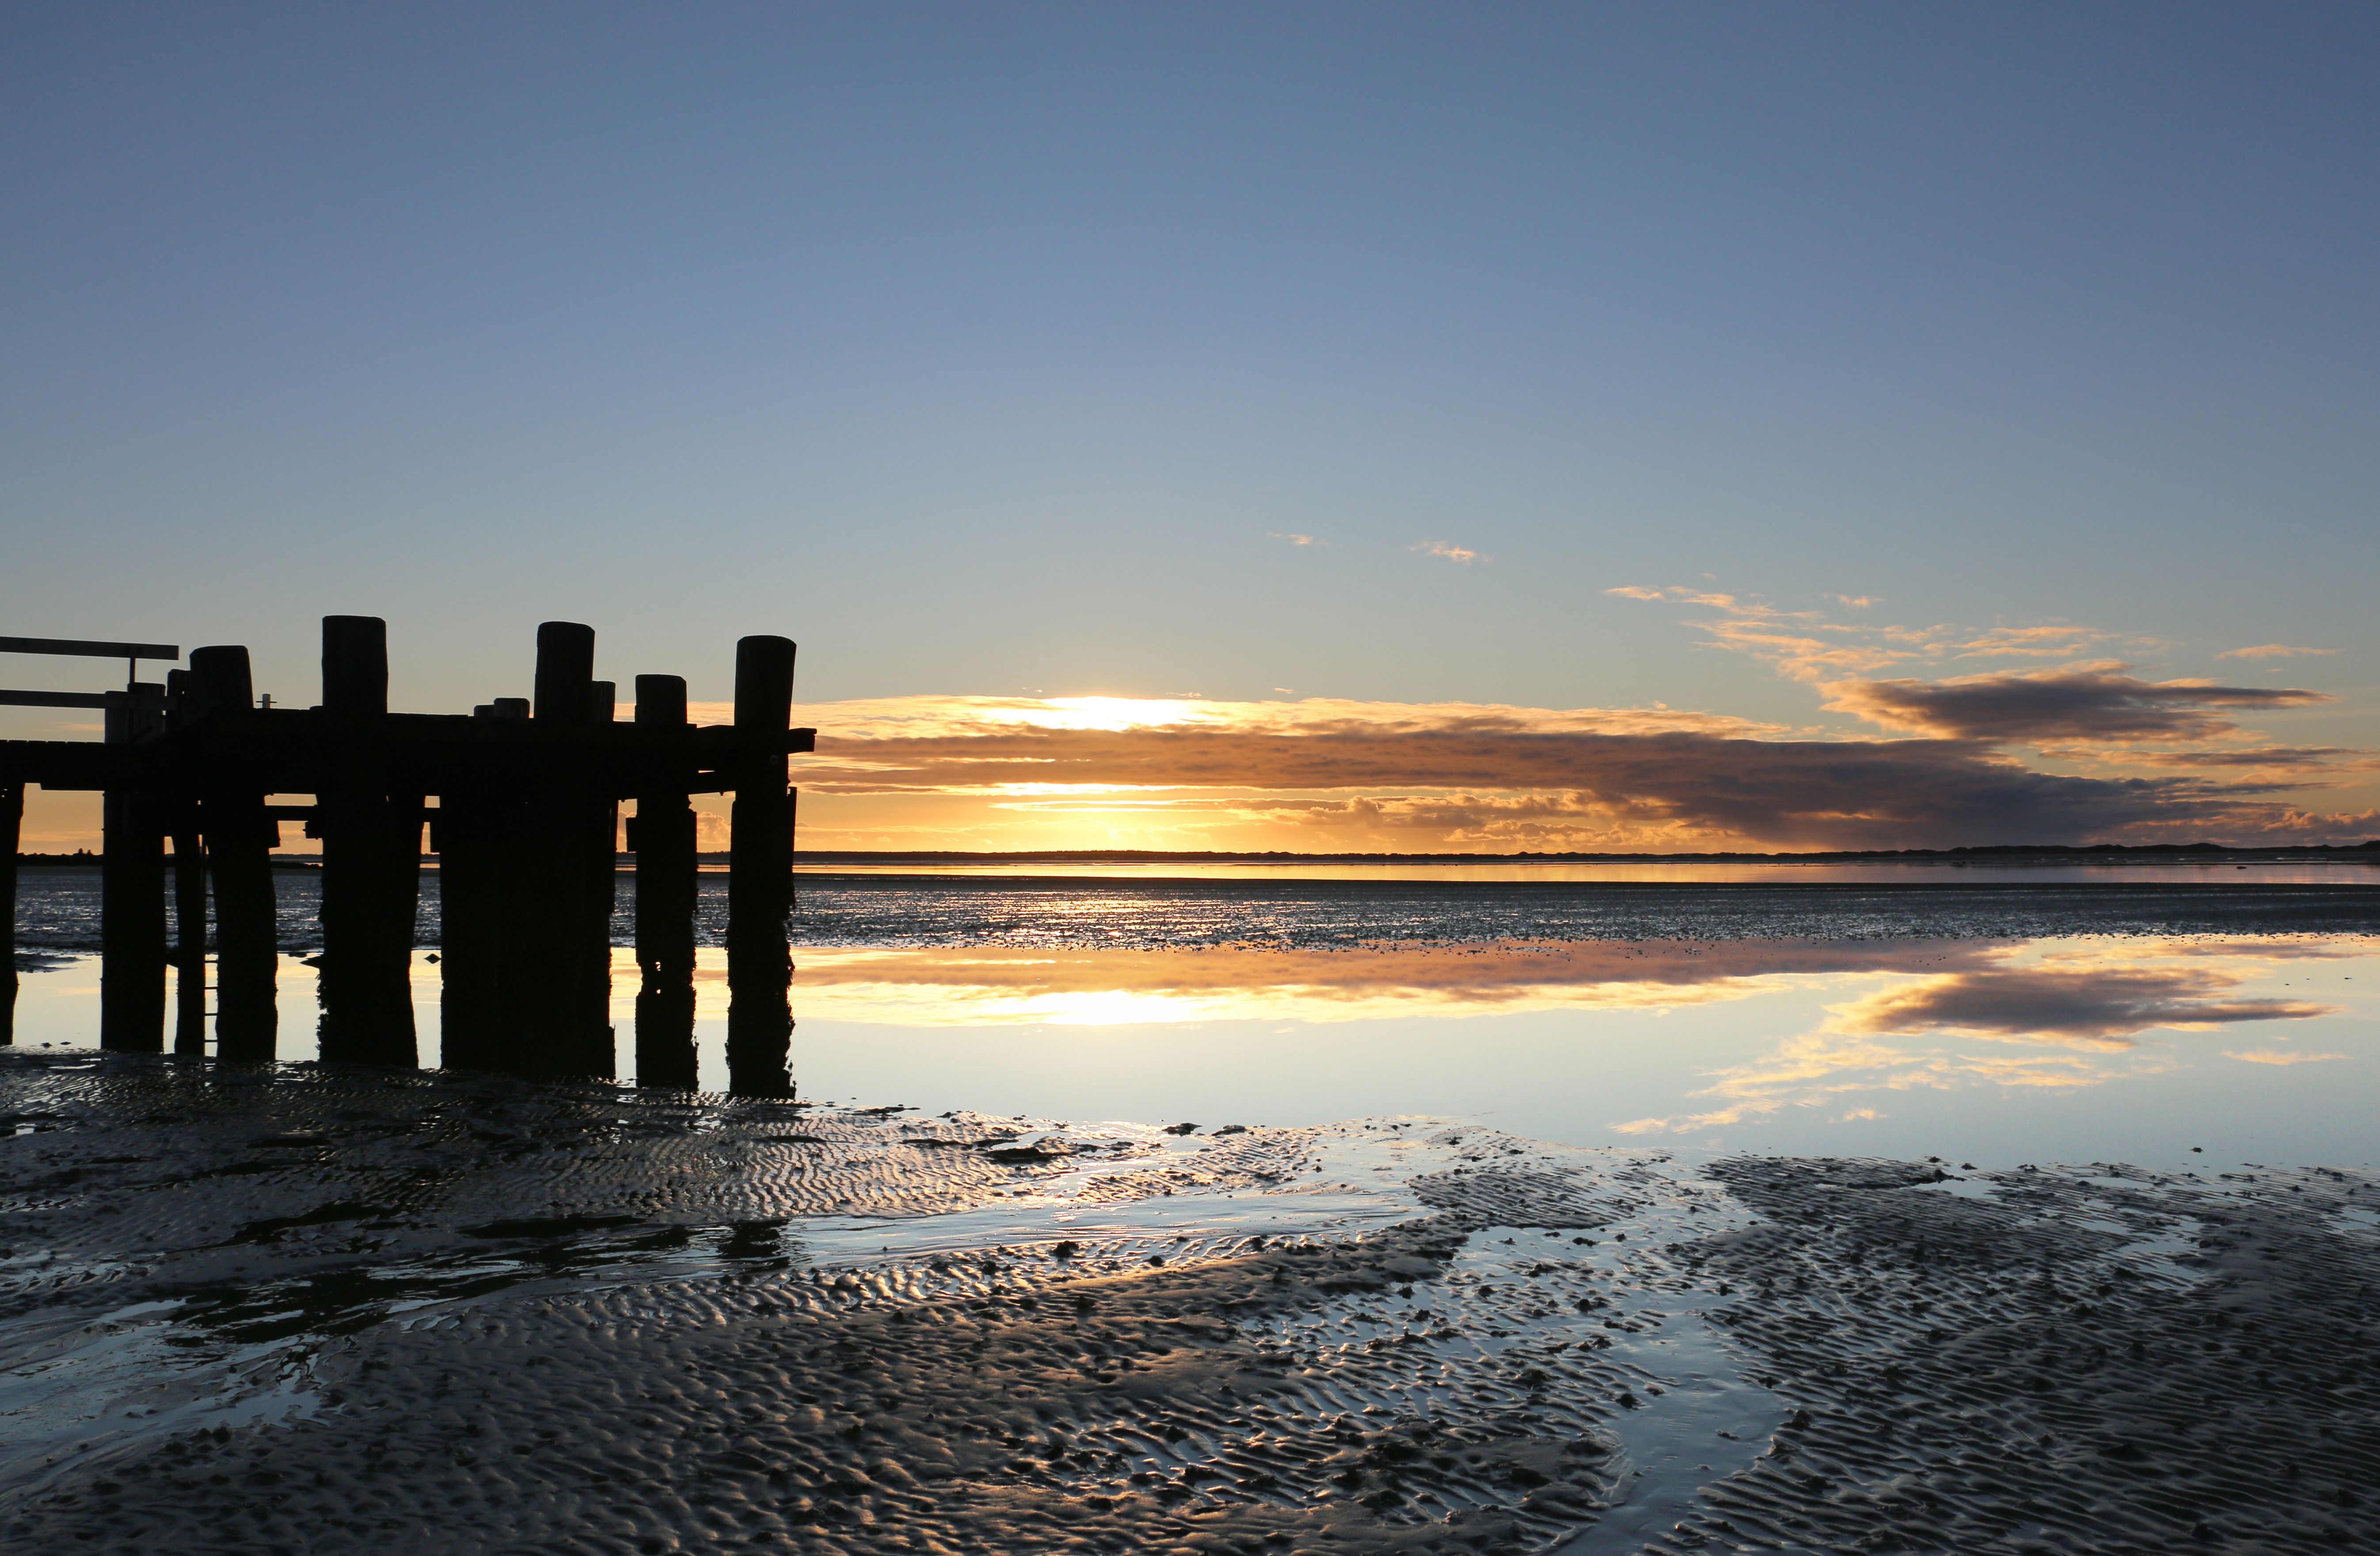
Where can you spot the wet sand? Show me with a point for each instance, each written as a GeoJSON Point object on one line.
{"type": "Point", "coordinates": [318, 1311]}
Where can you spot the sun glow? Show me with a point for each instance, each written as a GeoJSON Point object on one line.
{"type": "Point", "coordinates": [1113, 714]}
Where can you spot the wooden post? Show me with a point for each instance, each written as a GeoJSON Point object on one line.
{"type": "Point", "coordinates": [477, 834]}
{"type": "Point", "coordinates": [239, 842]}
{"type": "Point", "coordinates": [371, 852]}
{"type": "Point", "coordinates": [560, 976]}
{"type": "Point", "coordinates": [12, 820]}
{"type": "Point", "coordinates": [662, 832]}
{"type": "Point", "coordinates": [132, 924]}
{"type": "Point", "coordinates": [132, 894]}
{"type": "Point", "coordinates": [761, 879]}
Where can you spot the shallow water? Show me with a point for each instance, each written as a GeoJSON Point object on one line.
{"type": "Point", "coordinates": [1996, 1050]}
{"type": "Point", "coordinates": [58, 907]}
{"type": "Point", "coordinates": [1574, 1219]}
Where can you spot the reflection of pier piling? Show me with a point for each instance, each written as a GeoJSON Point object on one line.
{"type": "Point", "coordinates": [526, 795]}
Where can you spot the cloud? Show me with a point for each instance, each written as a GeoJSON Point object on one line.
{"type": "Point", "coordinates": [1334, 774]}
{"type": "Point", "coordinates": [2086, 702]}
{"type": "Point", "coordinates": [2093, 1007]}
{"type": "Point", "coordinates": [1343, 775]}
{"type": "Point", "coordinates": [2290, 759]}
{"type": "Point", "coordinates": [2278, 1056]}
{"type": "Point", "coordinates": [1733, 604]}
{"type": "Point", "coordinates": [2272, 651]}
{"type": "Point", "coordinates": [2026, 642]}
{"type": "Point", "coordinates": [1805, 646]}
{"type": "Point", "coordinates": [1294, 539]}
{"type": "Point", "coordinates": [1462, 554]}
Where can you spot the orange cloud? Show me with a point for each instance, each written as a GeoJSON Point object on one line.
{"type": "Point", "coordinates": [2090, 702]}
{"type": "Point", "coordinates": [2272, 651]}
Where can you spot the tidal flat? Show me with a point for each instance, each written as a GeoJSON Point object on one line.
{"type": "Point", "coordinates": [1551, 1225]}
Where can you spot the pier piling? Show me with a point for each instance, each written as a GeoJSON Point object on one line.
{"type": "Point", "coordinates": [525, 826]}
{"type": "Point", "coordinates": [371, 861]}
{"type": "Point", "coordinates": [760, 877]}
{"type": "Point", "coordinates": [239, 842]}
{"type": "Point", "coordinates": [661, 833]}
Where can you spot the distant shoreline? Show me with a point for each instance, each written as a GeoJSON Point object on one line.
{"type": "Point", "coordinates": [2008, 853]}
{"type": "Point", "coordinates": [2063, 853]}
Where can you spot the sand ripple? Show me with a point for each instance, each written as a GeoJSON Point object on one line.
{"type": "Point", "coordinates": [323, 1312]}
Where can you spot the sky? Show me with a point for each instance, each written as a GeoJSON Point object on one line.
{"type": "Point", "coordinates": [1380, 426]}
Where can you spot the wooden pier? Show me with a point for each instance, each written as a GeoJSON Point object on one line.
{"type": "Point", "coordinates": [521, 800]}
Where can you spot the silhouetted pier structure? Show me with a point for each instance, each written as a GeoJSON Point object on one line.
{"type": "Point", "coordinates": [521, 798]}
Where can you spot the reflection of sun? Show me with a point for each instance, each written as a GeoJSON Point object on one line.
{"type": "Point", "coordinates": [1108, 1007]}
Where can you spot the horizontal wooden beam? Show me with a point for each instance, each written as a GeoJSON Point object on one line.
{"type": "Point", "coordinates": [54, 699]}
{"type": "Point", "coordinates": [86, 648]}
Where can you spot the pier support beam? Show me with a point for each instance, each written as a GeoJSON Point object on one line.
{"type": "Point", "coordinates": [371, 849]}
{"type": "Point", "coordinates": [560, 980]}
{"type": "Point", "coordinates": [477, 834]}
{"type": "Point", "coordinates": [239, 843]}
{"type": "Point", "coordinates": [132, 924]}
{"type": "Point", "coordinates": [663, 834]}
{"type": "Point", "coordinates": [760, 879]}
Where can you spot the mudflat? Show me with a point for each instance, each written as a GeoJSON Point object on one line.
{"type": "Point", "coordinates": [297, 1308]}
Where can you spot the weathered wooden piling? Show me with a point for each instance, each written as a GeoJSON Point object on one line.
{"type": "Point", "coordinates": [761, 876]}
{"type": "Point", "coordinates": [132, 891]}
{"type": "Point", "coordinates": [476, 832]}
{"type": "Point", "coordinates": [240, 841]}
{"type": "Point", "coordinates": [528, 791]}
{"type": "Point", "coordinates": [661, 833]}
{"type": "Point", "coordinates": [372, 855]}
{"type": "Point", "coordinates": [562, 975]}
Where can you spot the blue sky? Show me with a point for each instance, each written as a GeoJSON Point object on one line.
{"type": "Point", "coordinates": [990, 349]}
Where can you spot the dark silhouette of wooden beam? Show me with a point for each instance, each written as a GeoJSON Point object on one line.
{"type": "Point", "coordinates": [88, 649]}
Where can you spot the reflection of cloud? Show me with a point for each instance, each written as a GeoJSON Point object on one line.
{"type": "Point", "coordinates": [2272, 651]}
{"type": "Point", "coordinates": [2091, 1000]}
{"type": "Point", "coordinates": [2080, 702]}
{"type": "Point", "coordinates": [995, 987]}
{"type": "Point", "coordinates": [2095, 1007]}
